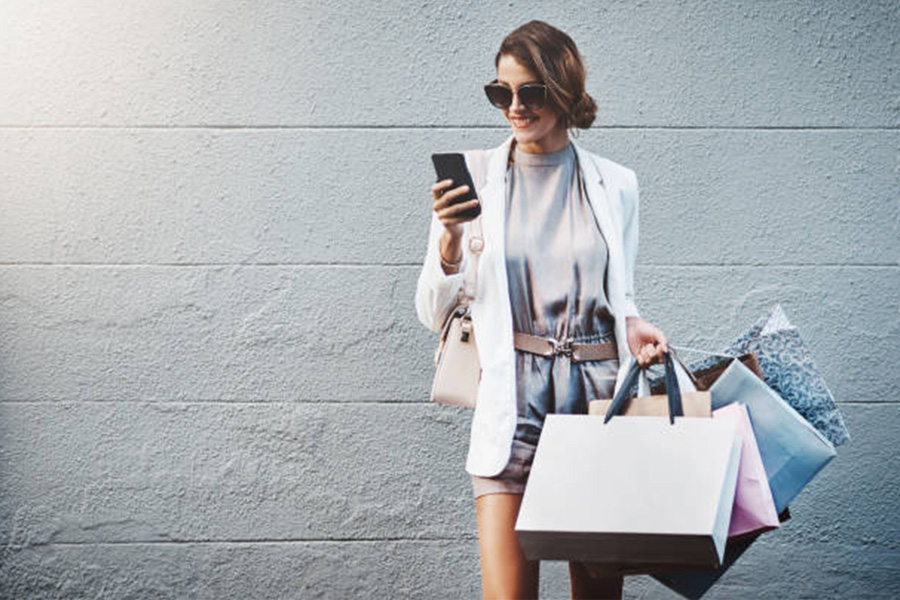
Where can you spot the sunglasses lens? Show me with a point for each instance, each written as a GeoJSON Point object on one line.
{"type": "Point", "coordinates": [533, 96]}
{"type": "Point", "coordinates": [499, 96]}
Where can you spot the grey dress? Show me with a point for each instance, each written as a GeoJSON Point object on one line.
{"type": "Point", "coordinates": [556, 260]}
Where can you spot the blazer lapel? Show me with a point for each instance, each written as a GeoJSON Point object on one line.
{"type": "Point", "coordinates": [600, 188]}
{"type": "Point", "coordinates": [493, 315]}
{"type": "Point", "coordinates": [600, 185]}
{"type": "Point", "coordinates": [494, 203]}
{"type": "Point", "coordinates": [594, 179]}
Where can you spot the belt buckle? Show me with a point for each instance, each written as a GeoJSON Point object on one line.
{"type": "Point", "coordinates": [564, 347]}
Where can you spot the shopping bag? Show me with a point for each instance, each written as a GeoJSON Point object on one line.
{"type": "Point", "coordinates": [694, 403]}
{"type": "Point", "coordinates": [789, 370]}
{"type": "Point", "coordinates": [754, 508]}
{"type": "Point", "coordinates": [634, 492]}
{"type": "Point", "coordinates": [704, 376]}
{"type": "Point", "coordinates": [792, 451]}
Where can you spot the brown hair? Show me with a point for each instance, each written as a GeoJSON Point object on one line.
{"type": "Point", "coordinates": [553, 56]}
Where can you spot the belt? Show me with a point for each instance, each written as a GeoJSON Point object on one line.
{"type": "Point", "coordinates": [577, 352]}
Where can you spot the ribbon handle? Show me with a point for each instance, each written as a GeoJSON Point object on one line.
{"type": "Point", "coordinates": [673, 389]}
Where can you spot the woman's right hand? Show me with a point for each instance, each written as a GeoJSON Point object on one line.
{"type": "Point", "coordinates": [451, 215]}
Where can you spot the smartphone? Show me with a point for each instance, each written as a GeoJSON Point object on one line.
{"type": "Point", "coordinates": [452, 165]}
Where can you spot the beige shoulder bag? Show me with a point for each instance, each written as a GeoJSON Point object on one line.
{"type": "Point", "coordinates": [457, 368]}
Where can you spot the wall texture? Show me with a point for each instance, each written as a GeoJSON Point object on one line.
{"type": "Point", "coordinates": [212, 380]}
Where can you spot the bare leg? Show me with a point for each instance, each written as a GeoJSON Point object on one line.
{"type": "Point", "coordinates": [599, 588]}
{"type": "Point", "coordinates": [505, 573]}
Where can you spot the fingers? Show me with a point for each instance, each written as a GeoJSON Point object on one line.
{"type": "Point", "coordinates": [663, 341]}
{"type": "Point", "coordinates": [643, 357]}
{"type": "Point", "coordinates": [453, 215]}
{"type": "Point", "coordinates": [647, 342]}
{"type": "Point", "coordinates": [438, 188]}
{"type": "Point", "coordinates": [446, 205]}
{"type": "Point", "coordinates": [444, 197]}
{"type": "Point", "coordinates": [442, 187]}
{"type": "Point", "coordinates": [650, 354]}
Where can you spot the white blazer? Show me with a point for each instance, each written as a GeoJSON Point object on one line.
{"type": "Point", "coordinates": [613, 193]}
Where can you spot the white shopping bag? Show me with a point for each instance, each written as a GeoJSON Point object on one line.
{"type": "Point", "coordinates": [633, 492]}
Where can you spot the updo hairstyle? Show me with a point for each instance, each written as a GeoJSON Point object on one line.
{"type": "Point", "coordinates": [553, 56]}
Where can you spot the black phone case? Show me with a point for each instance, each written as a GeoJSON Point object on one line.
{"type": "Point", "coordinates": [452, 165]}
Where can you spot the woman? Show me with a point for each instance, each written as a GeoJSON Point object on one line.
{"type": "Point", "coordinates": [560, 240]}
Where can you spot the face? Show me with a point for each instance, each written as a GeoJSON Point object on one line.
{"type": "Point", "coordinates": [536, 131]}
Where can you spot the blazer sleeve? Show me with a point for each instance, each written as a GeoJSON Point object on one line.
{"type": "Point", "coordinates": [437, 292]}
{"type": "Point", "coordinates": [629, 198]}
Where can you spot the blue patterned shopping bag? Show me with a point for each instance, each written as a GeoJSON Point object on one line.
{"type": "Point", "coordinates": [789, 370]}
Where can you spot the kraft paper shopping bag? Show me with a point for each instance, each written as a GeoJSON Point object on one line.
{"type": "Point", "coordinates": [694, 403]}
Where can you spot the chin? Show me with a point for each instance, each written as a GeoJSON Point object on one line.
{"type": "Point", "coordinates": [540, 133]}
{"type": "Point", "coordinates": [523, 136]}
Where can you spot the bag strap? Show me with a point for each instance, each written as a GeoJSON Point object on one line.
{"type": "Point", "coordinates": [688, 378]}
{"type": "Point", "coordinates": [699, 351]}
{"type": "Point", "coordinates": [673, 390]}
{"type": "Point", "coordinates": [476, 246]}
{"type": "Point", "coordinates": [478, 164]}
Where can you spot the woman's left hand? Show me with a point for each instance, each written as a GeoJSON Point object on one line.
{"type": "Point", "coordinates": [647, 343]}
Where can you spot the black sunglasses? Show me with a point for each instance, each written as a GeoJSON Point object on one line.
{"type": "Point", "coordinates": [532, 95]}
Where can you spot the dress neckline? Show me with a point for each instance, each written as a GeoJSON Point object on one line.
{"type": "Point", "coordinates": [550, 159]}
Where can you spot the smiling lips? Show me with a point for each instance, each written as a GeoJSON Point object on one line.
{"type": "Point", "coordinates": [522, 122]}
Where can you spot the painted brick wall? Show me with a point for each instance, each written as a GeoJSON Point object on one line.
{"type": "Point", "coordinates": [212, 215]}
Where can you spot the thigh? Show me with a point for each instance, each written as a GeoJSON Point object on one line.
{"type": "Point", "coordinates": [504, 571]}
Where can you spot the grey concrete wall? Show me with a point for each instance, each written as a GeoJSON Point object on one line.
{"type": "Point", "coordinates": [212, 380]}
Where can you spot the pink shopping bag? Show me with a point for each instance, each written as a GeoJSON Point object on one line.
{"type": "Point", "coordinates": [754, 507]}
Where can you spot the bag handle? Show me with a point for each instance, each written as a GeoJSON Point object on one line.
{"type": "Point", "coordinates": [725, 354]}
{"type": "Point", "coordinates": [673, 389]}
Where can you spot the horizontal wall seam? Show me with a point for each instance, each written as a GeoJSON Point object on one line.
{"type": "Point", "coordinates": [372, 127]}
{"type": "Point", "coordinates": [362, 265]}
{"type": "Point", "coordinates": [321, 402]}
{"type": "Point", "coordinates": [242, 542]}
{"type": "Point", "coordinates": [211, 401]}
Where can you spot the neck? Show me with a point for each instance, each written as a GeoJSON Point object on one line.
{"type": "Point", "coordinates": [554, 142]}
